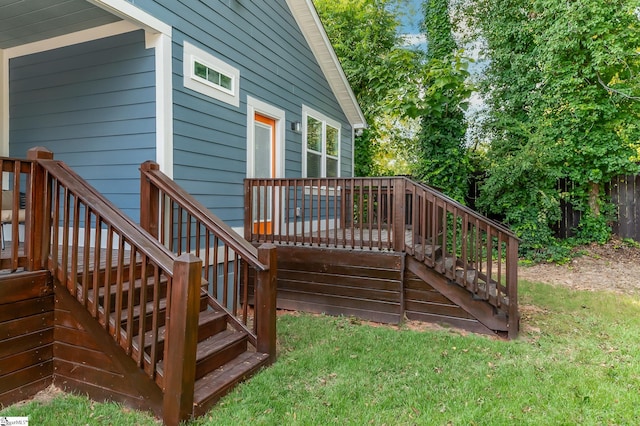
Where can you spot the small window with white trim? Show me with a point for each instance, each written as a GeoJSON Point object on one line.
{"type": "Point", "coordinates": [321, 150]}
{"type": "Point", "coordinates": [210, 76]}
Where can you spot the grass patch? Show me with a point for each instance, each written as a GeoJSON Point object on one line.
{"type": "Point", "coordinates": [576, 362]}
{"type": "Point", "coordinates": [74, 410]}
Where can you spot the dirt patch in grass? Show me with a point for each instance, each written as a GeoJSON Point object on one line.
{"type": "Point", "coordinates": [44, 397]}
{"type": "Point", "coordinates": [614, 266]}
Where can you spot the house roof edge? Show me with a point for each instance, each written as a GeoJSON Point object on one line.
{"type": "Point", "coordinates": [313, 30]}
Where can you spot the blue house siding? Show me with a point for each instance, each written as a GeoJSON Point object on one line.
{"type": "Point", "coordinates": [262, 40]}
{"type": "Point", "coordinates": [93, 105]}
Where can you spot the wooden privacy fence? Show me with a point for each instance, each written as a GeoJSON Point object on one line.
{"type": "Point", "coordinates": [624, 193]}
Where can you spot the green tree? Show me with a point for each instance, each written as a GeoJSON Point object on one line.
{"type": "Point", "coordinates": [364, 34]}
{"type": "Point", "coordinates": [443, 159]}
{"type": "Point", "coordinates": [562, 89]}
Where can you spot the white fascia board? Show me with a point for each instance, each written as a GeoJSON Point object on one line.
{"type": "Point", "coordinates": [309, 22]}
{"type": "Point", "coordinates": [70, 39]}
{"type": "Point", "coordinates": [131, 13]}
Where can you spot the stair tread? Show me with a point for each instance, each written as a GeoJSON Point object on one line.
{"type": "Point", "coordinates": [212, 345]}
{"type": "Point", "coordinates": [204, 318]}
{"type": "Point", "coordinates": [219, 381]}
{"type": "Point", "coordinates": [218, 342]}
{"type": "Point", "coordinates": [482, 286]}
{"type": "Point", "coordinates": [428, 249]}
{"type": "Point", "coordinates": [137, 284]}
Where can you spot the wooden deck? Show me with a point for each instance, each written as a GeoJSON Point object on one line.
{"type": "Point", "coordinates": [385, 249]}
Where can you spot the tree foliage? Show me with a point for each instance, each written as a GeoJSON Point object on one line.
{"type": "Point", "coordinates": [563, 90]}
{"type": "Point", "coordinates": [364, 34]}
{"type": "Point", "coordinates": [443, 160]}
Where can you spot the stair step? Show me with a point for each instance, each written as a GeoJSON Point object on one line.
{"type": "Point", "coordinates": [126, 286]}
{"type": "Point", "coordinates": [209, 323]}
{"type": "Point", "coordinates": [445, 265]}
{"type": "Point", "coordinates": [428, 250]}
{"type": "Point", "coordinates": [482, 293]}
{"type": "Point", "coordinates": [218, 350]}
{"type": "Point", "coordinates": [213, 352]}
{"type": "Point", "coordinates": [210, 388]}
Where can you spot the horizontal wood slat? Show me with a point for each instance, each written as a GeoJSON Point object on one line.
{"type": "Point", "coordinates": [41, 371]}
{"type": "Point", "coordinates": [26, 335]}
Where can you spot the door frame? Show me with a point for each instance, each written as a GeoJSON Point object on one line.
{"type": "Point", "coordinates": [255, 106]}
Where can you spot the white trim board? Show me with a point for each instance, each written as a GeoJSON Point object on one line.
{"type": "Point", "coordinates": [257, 106]}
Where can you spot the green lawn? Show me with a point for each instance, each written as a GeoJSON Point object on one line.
{"type": "Point", "coordinates": [577, 361]}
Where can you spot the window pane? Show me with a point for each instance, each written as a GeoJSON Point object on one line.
{"type": "Point", "coordinates": [225, 81]}
{"type": "Point", "coordinates": [332, 140]}
{"type": "Point", "coordinates": [314, 134]}
{"type": "Point", "coordinates": [200, 70]}
{"type": "Point", "coordinates": [313, 165]}
{"type": "Point", "coordinates": [263, 155]}
{"type": "Point", "coordinates": [332, 167]}
{"type": "Point", "coordinates": [214, 77]}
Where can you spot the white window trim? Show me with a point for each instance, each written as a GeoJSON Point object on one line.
{"type": "Point", "coordinates": [309, 112]}
{"type": "Point", "coordinates": [192, 54]}
{"type": "Point", "coordinates": [257, 106]}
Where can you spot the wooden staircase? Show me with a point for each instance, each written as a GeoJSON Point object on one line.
{"type": "Point", "coordinates": [152, 319]}
{"type": "Point", "coordinates": [224, 356]}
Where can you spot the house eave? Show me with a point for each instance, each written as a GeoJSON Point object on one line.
{"type": "Point", "coordinates": [309, 22]}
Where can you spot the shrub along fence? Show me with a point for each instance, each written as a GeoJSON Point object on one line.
{"type": "Point", "coordinates": [624, 192]}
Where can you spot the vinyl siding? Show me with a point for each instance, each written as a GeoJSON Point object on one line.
{"type": "Point", "coordinates": [262, 40]}
{"type": "Point", "coordinates": [93, 105]}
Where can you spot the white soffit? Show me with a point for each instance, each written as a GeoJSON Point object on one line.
{"type": "Point", "coordinates": [309, 22]}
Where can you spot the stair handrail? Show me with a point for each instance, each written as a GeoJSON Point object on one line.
{"type": "Point", "coordinates": [506, 291]}
{"type": "Point", "coordinates": [182, 273]}
{"type": "Point", "coordinates": [151, 247]}
{"type": "Point", "coordinates": [151, 171]}
{"type": "Point", "coordinates": [262, 259]}
{"type": "Point", "coordinates": [439, 194]}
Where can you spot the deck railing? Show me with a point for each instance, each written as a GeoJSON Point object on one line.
{"type": "Point", "coordinates": [18, 220]}
{"type": "Point", "coordinates": [95, 252]}
{"type": "Point", "coordinates": [231, 265]}
{"type": "Point", "coordinates": [337, 212]}
{"type": "Point", "coordinates": [394, 214]}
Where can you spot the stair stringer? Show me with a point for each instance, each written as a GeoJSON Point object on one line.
{"type": "Point", "coordinates": [87, 360]}
{"type": "Point", "coordinates": [480, 310]}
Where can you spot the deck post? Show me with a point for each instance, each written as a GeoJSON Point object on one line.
{"type": "Point", "coordinates": [247, 210]}
{"type": "Point", "coordinates": [512, 287]}
{"type": "Point", "coordinates": [181, 340]}
{"type": "Point", "coordinates": [37, 227]}
{"type": "Point", "coordinates": [399, 189]}
{"type": "Point", "coordinates": [265, 303]}
{"type": "Point", "coordinates": [149, 200]}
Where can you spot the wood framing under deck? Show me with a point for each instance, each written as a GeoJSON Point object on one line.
{"type": "Point", "coordinates": [373, 285]}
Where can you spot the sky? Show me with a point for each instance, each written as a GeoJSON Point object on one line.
{"type": "Point", "coordinates": [410, 23]}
